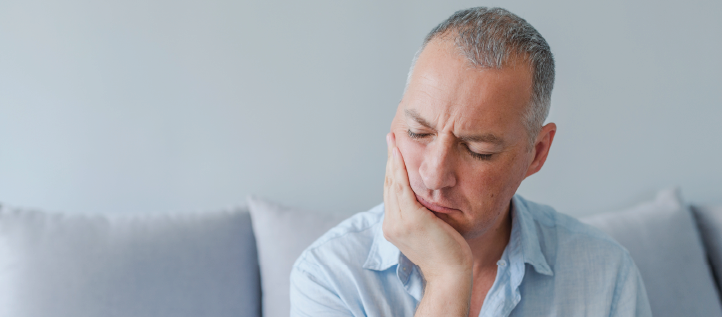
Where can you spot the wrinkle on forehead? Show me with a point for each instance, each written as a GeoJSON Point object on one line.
{"type": "Point", "coordinates": [456, 97]}
{"type": "Point", "coordinates": [451, 123]}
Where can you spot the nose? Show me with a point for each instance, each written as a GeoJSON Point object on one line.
{"type": "Point", "coordinates": [437, 168]}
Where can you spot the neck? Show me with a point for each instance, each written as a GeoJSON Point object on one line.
{"type": "Point", "coordinates": [489, 246]}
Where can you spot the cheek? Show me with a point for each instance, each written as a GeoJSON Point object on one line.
{"type": "Point", "coordinates": [497, 183]}
{"type": "Point", "coordinates": [479, 182]}
{"type": "Point", "coordinates": [487, 184]}
{"type": "Point", "coordinates": [413, 154]}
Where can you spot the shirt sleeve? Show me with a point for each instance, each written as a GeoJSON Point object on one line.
{"type": "Point", "coordinates": [630, 296]}
{"type": "Point", "coordinates": [312, 295]}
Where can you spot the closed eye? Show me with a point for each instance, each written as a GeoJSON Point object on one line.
{"type": "Point", "coordinates": [417, 135]}
{"type": "Point", "coordinates": [478, 156]}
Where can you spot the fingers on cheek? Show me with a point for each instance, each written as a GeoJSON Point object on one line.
{"type": "Point", "coordinates": [389, 177]}
{"type": "Point", "coordinates": [393, 181]}
{"type": "Point", "coordinates": [401, 189]}
{"type": "Point", "coordinates": [409, 195]}
{"type": "Point", "coordinates": [400, 173]}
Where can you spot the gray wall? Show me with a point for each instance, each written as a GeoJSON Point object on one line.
{"type": "Point", "coordinates": [165, 106]}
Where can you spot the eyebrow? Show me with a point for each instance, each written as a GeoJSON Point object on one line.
{"type": "Point", "coordinates": [416, 117]}
{"type": "Point", "coordinates": [482, 138]}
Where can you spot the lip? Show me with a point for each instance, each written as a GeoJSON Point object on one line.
{"type": "Point", "coordinates": [435, 207]}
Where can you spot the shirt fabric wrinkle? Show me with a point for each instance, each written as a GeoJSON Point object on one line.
{"type": "Point", "coordinates": [515, 282]}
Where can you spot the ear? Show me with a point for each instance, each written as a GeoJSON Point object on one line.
{"type": "Point", "coordinates": [541, 148]}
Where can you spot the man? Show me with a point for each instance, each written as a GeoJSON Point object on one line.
{"type": "Point", "coordinates": [451, 238]}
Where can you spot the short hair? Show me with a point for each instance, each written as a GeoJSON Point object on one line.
{"type": "Point", "coordinates": [494, 37]}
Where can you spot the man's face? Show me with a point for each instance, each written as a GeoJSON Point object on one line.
{"type": "Point", "coordinates": [461, 134]}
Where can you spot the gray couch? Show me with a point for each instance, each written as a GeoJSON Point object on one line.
{"type": "Point", "coordinates": [236, 262]}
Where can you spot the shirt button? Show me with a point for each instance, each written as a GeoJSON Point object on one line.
{"type": "Point", "coordinates": [501, 262]}
{"type": "Point", "coordinates": [403, 268]}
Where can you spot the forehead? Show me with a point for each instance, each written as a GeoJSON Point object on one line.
{"type": "Point", "coordinates": [444, 86]}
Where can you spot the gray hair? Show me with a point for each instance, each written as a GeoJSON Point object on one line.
{"type": "Point", "coordinates": [492, 38]}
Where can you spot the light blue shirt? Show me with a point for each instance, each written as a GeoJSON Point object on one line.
{"type": "Point", "coordinates": [553, 266]}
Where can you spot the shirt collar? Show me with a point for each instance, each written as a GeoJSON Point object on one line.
{"type": "Point", "coordinates": [523, 244]}
{"type": "Point", "coordinates": [524, 239]}
{"type": "Point", "coordinates": [383, 254]}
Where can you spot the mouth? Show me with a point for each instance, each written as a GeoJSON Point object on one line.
{"type": "Point", "coordinates": [435, 207]}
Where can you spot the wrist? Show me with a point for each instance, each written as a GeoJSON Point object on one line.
{"type": "Point", "coordinates": [452, 277]}
{"type": "Point", "coordinates": [456, 274]}
{"type": "Point", "coordinates": [456, 282]}
{"type": "Point", "coordinates": [447, 295]}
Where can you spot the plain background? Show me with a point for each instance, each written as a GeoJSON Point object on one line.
{"type": "Point", "coordinates": [173, 106]}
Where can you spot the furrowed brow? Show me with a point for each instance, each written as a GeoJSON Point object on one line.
{"type": "Point", "coordinates": [484, 138]}
{"type": "Point", "coordinates": [416, 117]}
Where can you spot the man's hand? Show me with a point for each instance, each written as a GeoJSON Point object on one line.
{"type": "Point", "coordinates": [441, 253]}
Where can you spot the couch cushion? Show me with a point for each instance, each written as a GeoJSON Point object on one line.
{"type": "Point", "coordinates": [64, 265]}
{"type": "Point", "coordinates": [282, 233]}
{"type": "Point", "coordinates": [709, 222]}
{"type": "Point", "coordinates": [664, 242]}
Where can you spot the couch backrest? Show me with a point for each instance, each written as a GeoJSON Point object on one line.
{"type": "Point", "coordinates": [61, 265]}
{"type": "Point", "coordinates": [664, 242]}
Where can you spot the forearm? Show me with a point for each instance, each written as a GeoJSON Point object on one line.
{"type": "Point", "coordinates": [448, 296]}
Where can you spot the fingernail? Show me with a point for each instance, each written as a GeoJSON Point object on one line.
{"type": "Point", "coordinates": [395, 150]}
{"type": "Point", "coordinates": [388, 139]}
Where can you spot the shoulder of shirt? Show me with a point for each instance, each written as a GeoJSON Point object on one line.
{"type": "Point", "coordinates": [353, 234]}
{"type": "Point", "coordinates": [583, 234]}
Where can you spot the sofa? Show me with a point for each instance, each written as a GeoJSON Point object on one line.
{"type": "Point", "coordinates": [236, 262]}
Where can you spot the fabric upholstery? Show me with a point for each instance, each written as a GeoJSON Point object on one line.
{"type": "Point", "coordinates": [282, 233]}
{"type": "Point", "coordinates": [665, 244]}
{"type": "Point", "coordinates": [65, 265]}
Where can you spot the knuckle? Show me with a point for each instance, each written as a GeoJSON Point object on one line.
{"type": "Point", "coordinates": [389, 228]}
{"type": "Point", "coordinates": [395, 231]}
{"type": "Point", "coordinates": [389, 233]}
